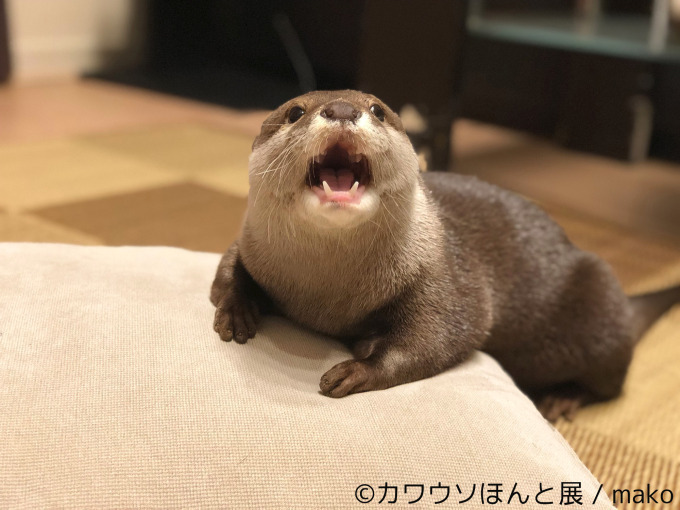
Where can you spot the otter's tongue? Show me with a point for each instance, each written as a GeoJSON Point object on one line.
{"type": "Point", "coordinates": [341, 179]}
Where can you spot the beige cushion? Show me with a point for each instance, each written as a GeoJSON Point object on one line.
{"type": "Point", "coordinates": [115, 393]}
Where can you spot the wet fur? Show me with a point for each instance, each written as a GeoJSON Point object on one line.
{"type": "Point", "coordinates": [444, 265]}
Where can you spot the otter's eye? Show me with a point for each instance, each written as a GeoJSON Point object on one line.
{"type": "Point", "coordinates": [295, 113]}
{"type": "Point", "coordinates": [378, 112]}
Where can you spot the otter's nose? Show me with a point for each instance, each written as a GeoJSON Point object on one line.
{"type": "Point", "coordinates": [340, 110]}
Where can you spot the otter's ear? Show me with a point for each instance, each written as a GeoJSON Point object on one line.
{"type": "Point", "coordinates": [270, 126]}
{"type": "Point", "coordinates": [391, 117]}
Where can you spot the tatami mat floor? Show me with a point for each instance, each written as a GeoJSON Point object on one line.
{"type": "Point", "coordinates": [89, 163]}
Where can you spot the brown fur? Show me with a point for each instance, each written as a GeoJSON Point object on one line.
{"type": "Point", "coordinates": [445, 265]}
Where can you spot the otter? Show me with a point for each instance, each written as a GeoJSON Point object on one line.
{"type": "Point", "coordinates": [415, 270]}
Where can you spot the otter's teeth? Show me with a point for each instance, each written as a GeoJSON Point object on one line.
{"type": "Point", "coordinates": [353, 191]}
{"type": "Point", "coordinates": [327, 189]}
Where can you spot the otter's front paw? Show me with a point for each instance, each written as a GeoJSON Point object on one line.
{"type": "Point", "coordinates": [350, 376]}
{"type": "Point", "coordinates": [236, 319]}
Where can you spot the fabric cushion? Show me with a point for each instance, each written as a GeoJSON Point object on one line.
{"type": "Point", "coordinates": [115, 392]}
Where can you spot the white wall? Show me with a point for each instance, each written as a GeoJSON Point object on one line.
{"type": "Point", "coordinates": [675, 10]}
{"type": "Point", "coordinates": [56, 38]}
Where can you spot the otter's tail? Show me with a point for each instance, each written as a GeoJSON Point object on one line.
{"type": "Point", "coordinates": [647, 308]}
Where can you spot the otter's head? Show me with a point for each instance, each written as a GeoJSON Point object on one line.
{"type": "Point", "coordinates": [331, 157]}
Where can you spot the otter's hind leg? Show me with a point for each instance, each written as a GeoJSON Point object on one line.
{"type": "Point", "coordinates": [595, 316]}
{"type": "Point", "coordinates": [596, 385]}
{"type": "Point", "coordinates": [599, 384]}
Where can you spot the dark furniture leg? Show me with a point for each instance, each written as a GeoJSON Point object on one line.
{"type": "Point", "coordinates": [413, 54]}
{"type": "Point", "coordinates": [4, 44]}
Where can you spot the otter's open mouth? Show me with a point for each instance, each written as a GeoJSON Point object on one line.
{"type": "Point", "coordinates": [339, 175]}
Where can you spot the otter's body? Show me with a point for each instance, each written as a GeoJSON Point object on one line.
{"type": "Point", "coordinates": [415, 271]}
{"type": "Point", "coordinates": [559, 314]}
